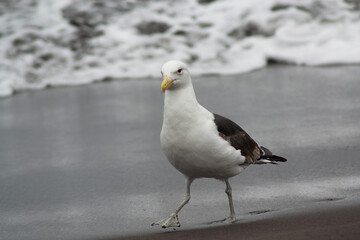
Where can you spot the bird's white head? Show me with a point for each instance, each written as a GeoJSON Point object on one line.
{"type": "Point", "coordinates": [175, 75]}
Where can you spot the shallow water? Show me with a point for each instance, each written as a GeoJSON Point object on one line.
{"type": "Point", "coordinates": [85, 162]}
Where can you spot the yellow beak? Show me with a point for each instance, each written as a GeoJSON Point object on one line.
{"type": "Point", "coordinates": [165, 84]}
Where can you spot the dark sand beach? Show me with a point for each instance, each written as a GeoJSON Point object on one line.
{"type": "Point", "coordinates": [335, 222]}
{"type": "Point", "coordinates": [85, 162]}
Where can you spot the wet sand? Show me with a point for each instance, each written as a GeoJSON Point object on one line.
{"type": "Point", "coordinates": [335, 222]}
{"type": "Point", "coordinates": [85, 162]}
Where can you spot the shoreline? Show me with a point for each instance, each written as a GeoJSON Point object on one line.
{"type": "Point", "coordinates": [317, 222]}
{"type": "Point", "coordinates": [9, 92]}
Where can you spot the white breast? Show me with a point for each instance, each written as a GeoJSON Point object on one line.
{"type": "Point", "coordinates": [191, 143]}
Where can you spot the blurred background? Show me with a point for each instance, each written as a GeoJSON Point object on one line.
{"type": "Point", "coordinates": [86, 162]}
{"type": "Point", "coordinates": [71, 42]}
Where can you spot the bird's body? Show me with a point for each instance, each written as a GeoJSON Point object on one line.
{"type": "Point", "coordinates": [199, 143]}
{"type": "Point", "coordinates": [194, 146]}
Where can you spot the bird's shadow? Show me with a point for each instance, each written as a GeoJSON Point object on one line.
{"type": "Point", "coordinates": [257, 212]}
{"type": "Point", "coordinates": [222, 221]}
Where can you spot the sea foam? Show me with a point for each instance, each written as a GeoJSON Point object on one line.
{"type": "Point", "coordinates": [50, 43]}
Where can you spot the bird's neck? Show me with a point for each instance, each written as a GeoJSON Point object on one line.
{"type": "Point", "coordinates": [183, 99]}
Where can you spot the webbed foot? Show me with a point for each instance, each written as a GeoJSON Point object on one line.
{"type": "Point", "coordinates": [172, 221]}
{"type": "Point", "coordinates": [230, 219]}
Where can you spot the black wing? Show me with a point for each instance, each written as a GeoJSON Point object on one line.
{"type": "Point", "coordinates": [238, 138]}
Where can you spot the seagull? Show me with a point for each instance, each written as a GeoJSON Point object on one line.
{"type": "Point", "coordinates": [202, 144]}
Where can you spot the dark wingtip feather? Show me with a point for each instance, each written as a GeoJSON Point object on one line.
{"type": "Point", "coordinates": [267, 154]}
{"type": "Point", "coordinates": [277, 158]}
{"type": "Point", "coordinates": [266, 151]}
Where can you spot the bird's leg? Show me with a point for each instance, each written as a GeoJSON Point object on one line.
{"type": "Point", "coordinates": [228, 192]}
{"type": "Point", "coordinates": [173, 220]}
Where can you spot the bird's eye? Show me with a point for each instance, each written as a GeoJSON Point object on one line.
{"type": "Point", "coordinates": [180, 70]}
